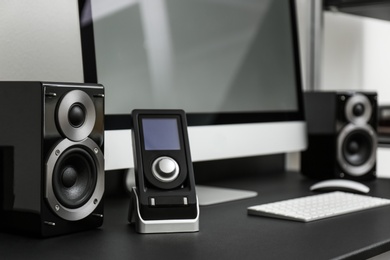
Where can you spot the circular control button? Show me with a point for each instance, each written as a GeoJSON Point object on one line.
{"type": "Point", "coordinates": [166, 165]}
{"type": "Point", "coordinates": [165, 169]}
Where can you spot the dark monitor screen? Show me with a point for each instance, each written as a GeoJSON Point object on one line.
{"type": "Point", "coordinates": [231, 59]}
{"type": "Point", "coordinates": [226, 63]}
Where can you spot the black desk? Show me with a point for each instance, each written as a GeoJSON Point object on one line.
{"type": "Point", "coordinates": [226, 231]}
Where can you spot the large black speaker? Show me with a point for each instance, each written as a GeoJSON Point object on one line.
{"type": "Point", "coordinates": [342, 135]}
{"type": "Point", "coordinates": [52, 164]}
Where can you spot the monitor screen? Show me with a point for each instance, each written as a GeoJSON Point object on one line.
{"type": "Point", "coordinates": [233, 66]}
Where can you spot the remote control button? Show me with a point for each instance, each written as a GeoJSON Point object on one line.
{"type": "Point", "coordinates": [167, 165]}
{"type": "Point", "coordinates": [165, 169]}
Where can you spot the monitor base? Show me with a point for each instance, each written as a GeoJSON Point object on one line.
{"type": "Point", "coordinates": [214, 195]}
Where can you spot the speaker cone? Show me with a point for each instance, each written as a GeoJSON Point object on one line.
{"type": "Point", "coordinates": [75, 178]}
{"type": "Point", "coordinates": [356, 149]}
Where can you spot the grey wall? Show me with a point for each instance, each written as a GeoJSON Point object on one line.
{"type": "Point", "coordinates": [40, 40]}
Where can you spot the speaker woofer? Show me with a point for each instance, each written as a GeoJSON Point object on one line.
{"type": "Point", "coordinates": [356, 151]}
{"type": "Point", "coordinates": [75, 178]}
{"type": "Point", "coordinates": [357, 148]}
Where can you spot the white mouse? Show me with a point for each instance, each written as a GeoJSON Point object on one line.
{"type": "Point", "coordinates": [340, 185]}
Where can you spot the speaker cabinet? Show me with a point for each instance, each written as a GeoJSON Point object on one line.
{"type": "Point", "coordinates": [52, 164]}
{"type": "Point", "coordinates": [342, 135]}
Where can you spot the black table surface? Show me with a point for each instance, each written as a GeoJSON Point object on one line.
{"type": "Point", "coordinates": [226, 231]}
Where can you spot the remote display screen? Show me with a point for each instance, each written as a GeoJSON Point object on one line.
{"type": "Point", "coordinates": [160, 134]}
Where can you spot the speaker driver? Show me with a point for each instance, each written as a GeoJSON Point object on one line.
{"type": "Point", "coordinates": [75, 178]}
{"type": "Point", "coordinates": [76, 115]}
{"type": "Point", "coordinates": [358, 109]}
{"type": "Point", "coordinates": [357, 149]}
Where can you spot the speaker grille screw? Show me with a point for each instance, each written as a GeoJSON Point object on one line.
{"type": "Point", "coordinates": [96, 150]}
{"type": "Point", "coordinates": [57, 152]}
{"type": "Point", "coordinates": [57, 208]}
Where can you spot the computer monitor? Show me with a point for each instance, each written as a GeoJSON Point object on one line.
{"type": "Point", "coordinates": [233, 66]}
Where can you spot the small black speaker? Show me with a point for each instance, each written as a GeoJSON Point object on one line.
{"type": "Point", "coordinates": [51, 154]}
{"type": "Point", "coordinates": [342, 135]}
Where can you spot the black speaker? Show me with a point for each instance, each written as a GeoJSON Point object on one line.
{"type": "Point", "coordinates": [342, 135]}
{"type": "Point", "coordinates": [51, 154]}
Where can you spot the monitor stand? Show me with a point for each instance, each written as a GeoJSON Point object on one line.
{"type": "Point", "coordinates": [207, 195]}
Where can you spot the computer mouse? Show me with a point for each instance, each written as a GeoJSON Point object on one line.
{"type": "Point", "coordinates": [340, 185]}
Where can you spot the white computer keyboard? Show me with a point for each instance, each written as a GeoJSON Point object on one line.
{"type": "Point", "coordinates": [315, 207]}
